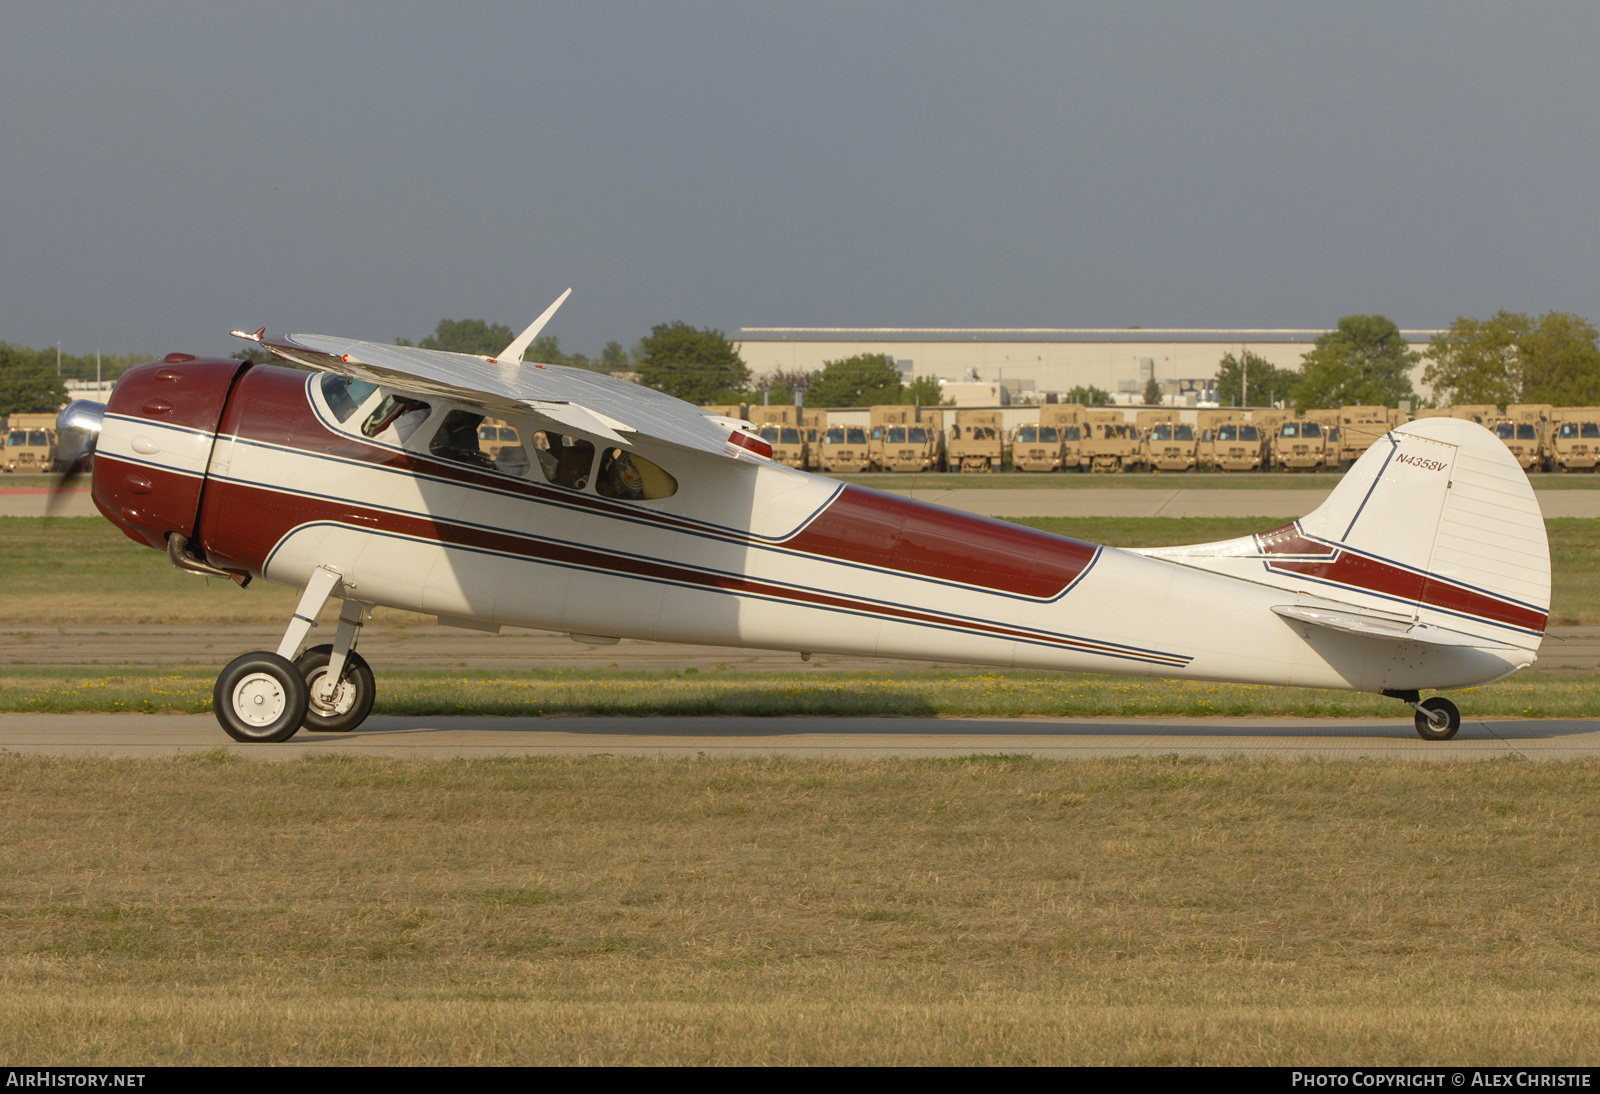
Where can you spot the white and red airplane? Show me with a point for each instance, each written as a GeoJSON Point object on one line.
{"type": "Point", "coordinates": [620, 512]}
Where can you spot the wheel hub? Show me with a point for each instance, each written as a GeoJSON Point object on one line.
{"type": "Point", "coordinates": [259, 700]}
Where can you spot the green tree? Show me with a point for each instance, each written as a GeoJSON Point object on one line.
{"type": "Point", "coordinates": [1364, 361]}
{"type": "Point", "coordinates": [28, 381]}
{"type": "Point", "coordinates": [1152, 393]}
{"type": "Point", "coordinates": [1089, 396]}
{"type": "Point", "coordinates": [613, 358]}
{"type": "Point", "coordinates": [867, 379]}
{"type": "Point", "coordinates": [698, 365]}
{"type": "Point", "coordinates": [1478, 360]}
{"type": "Point", "coordinates": [469, 336]}
{"type": "Point", "coordinates": [1560, 361]}
{"type": "Point", "coordinates": [1265, 380]}
{"type": "Point", "coordinates": [925, 391]}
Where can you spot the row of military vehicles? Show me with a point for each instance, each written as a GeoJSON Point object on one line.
{"type": "Point", "coordinates": [1066, 437]}
{"type": "Point", "coordinates": [1070, 437]}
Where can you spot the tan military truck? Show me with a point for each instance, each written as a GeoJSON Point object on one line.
{"type": "Point", "coordinates": [1525, 431]}
{"type": "Point", "coordinates": [813, 423]}
{"type": "Point", "coordinates": [30, 444]}
{"type": "Point", "coordinates": [1360, 427]}
{"type": "Point", "coordinates": [1238, 445]}
{"type": "Point", "coordinates": [1300, 444]}
{"type": "Point", "coordinates": [881, 418]}
{"type": "Point", "coordinates": [1166, 444]}
{"type": "Point", "coordinates": [845, 450]}
{"type": "Point", "coordinates": [780, 427]}
{"type": "Point", "coordinates": [1110, 442]}
{"type": "Point", "coordinates": [1044, 447]}
{"type": "Point", "coordinates": [1329, 421]}
{"type": "Point", "coordinates": [914, 446]}
{"type": "Point", "coordinates": [1577, 438]}
{"type": "Point", "coordinates": [976, 441]}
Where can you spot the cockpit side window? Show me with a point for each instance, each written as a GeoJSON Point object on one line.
{"type": "Point", "coordinates": [395, 419]}
{"type": "Point", "coordinates": [344, 395]}
{"type": "Point", "coordinates": [565, 461]}
{"type": "Point", "coordinates": [628, 476]}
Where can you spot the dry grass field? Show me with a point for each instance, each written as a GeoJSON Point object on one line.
{"type": "Point", "coordinates": [994, 910]}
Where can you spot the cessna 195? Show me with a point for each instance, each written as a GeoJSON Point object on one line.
{"type": "Point", "coordinates": [621, 512]}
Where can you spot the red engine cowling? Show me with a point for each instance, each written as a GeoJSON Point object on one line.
{"type": "Point", "coordinates": [155, 443]}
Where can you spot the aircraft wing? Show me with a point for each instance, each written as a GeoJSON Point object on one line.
{"type": "Point", "coordinates": [589, 401]}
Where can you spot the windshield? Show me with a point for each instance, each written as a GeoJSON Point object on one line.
{"type": "Point", "coordinates": [1028, 434]}
{"type": "Point", "coordinates": [1227, 433]}
{"type": "Point", "coordinates": [18, 436]}
{"type": "Point", "coordinates": [897, 434]}
{"type": "Point", "coordinates": [835, 436]}
{"type": "Point", "coordinates": [856, 436]}
{"type": "Point", "coordinates": [1249, 433]}
{"type": "Point", "coordinates": [1504, 431]}
{"type": "Point", "coordinates": [1525, 433]}
{"type": "Point", "coordinates": [917, 435]}
{"type": "Point", "coordinates": [1047, 434]}
{"type": "Point", "coordinates": [789, 436]}
{"type": "Point", "coordinates": [769, 433]}
{"type": "Point", "coordinates": [1185, 433]}
{"type": "Point", "coordinates": [1311, 429]}
{"type": "Point", "coordinates": [1074, 433]}
{"type": "Point", "coordinates": [1161, 433]}
{"type": "Point", "coordinates": [1290, 429]}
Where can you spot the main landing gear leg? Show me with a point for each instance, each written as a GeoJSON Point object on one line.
{"type": "Point", "coordinates": [262, 697]}
{"type": "Point", "coordinates": [1436, 719]}
{"type": "Point", "coordinates": [338, 678]}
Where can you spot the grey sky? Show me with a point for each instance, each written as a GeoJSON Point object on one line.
{"type": "Point", "coordinates": [169, 171]}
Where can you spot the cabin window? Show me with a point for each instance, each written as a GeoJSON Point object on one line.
{"type": "Point", "coordinates": [565, 461]}
{"type": "Point", "coordinates": [464, 438]}
{"type": "Point", "coordinates": [343, 395]}
{"type": "Point", "coordinates": [628, 476]}
{"type": "Point", "coordinates": [395, 419]}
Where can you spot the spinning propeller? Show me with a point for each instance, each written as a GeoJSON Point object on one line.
{"type": "Point", "coordinates": [77, 430]}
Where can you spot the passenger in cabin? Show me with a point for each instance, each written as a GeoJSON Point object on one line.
{"type": "Point", "coordinates": [512, 460]}
{"type": "Point", "coordinates": [398, 415]}
{"type": "Point", "coordinates": [564, 461]}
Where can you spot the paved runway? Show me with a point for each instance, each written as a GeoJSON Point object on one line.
{"type": "Point", "coordinates": [1064, 502]}
{"type": "Point", "coordinates": [147, 735]}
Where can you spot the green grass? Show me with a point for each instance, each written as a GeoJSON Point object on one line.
{"type": "Point", "coordinates": [981, 910]}
{"type": "Point", "coordinates": [920, 693]}
{"type": "Point", "coordinates": [936, 480]}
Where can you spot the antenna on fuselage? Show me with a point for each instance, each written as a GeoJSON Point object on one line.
{"type": "Point", "coordinates": [512, 354]}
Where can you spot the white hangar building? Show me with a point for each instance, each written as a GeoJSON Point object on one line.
{"type": "Point", "coordinates": [1040, 360]}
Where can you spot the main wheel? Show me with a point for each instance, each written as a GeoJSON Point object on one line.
{"type": "Point", "coordinates": [259, 697]}
{"type": "Point", "coordinates": [1437, 719]}
{"type": "Point", "coordinates": [352, 699]}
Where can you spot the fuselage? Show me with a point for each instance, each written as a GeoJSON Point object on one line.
{"type": "Point", "coordinates": [265, 475]}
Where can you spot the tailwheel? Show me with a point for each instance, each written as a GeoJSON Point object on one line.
{"type": "Point", "coordinates": [336, 707]}
{"type": "Point", "coordinates": [260, 697]}
{"type": "Point", "coordinates": [1437, 719]}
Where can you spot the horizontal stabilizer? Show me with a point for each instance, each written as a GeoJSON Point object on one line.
{"type": "Point", "coordinates": [1375, 625]}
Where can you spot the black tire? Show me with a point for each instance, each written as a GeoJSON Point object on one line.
{"type": "Point", "coordinates": [259, 698]}
{"type": "Point", "coordinates": [353, 699]}
{"type": "Point", "coordinates": [1425, 727]}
